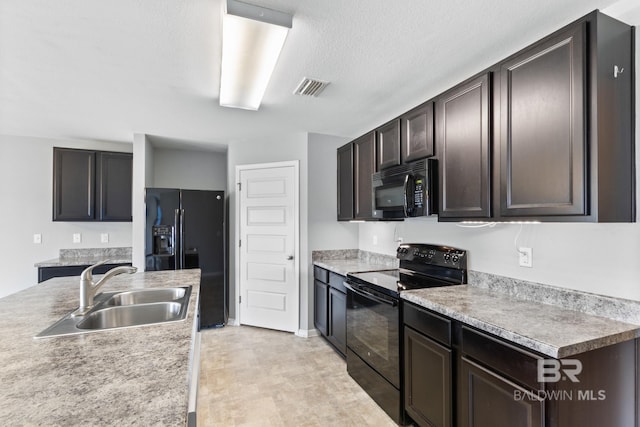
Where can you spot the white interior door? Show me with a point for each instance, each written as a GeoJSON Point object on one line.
{"type": "Point", "coordinates": [268, 249]}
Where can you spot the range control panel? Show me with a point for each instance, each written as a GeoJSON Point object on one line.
{"type": "Point", "coordinates": [432, 255]}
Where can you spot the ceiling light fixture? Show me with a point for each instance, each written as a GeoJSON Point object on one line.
{"type": "Point", "coordinates": [252, 38]}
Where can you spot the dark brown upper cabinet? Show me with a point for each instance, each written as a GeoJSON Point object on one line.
{"type": "Point", "coordinates": [388, 141]}
{"type": "Point", "coordinates": [364, 164]}
{"type": "Point", "coordinates": [416, 133]}
{"type": "Point", "coordinates": [115, 172]}
{"type": "Point", "coordinates": [345, 182]}
{"type": "Point", "coordinates": [463, 141]}
{"type": "Point", "coordinates": [559, 138]}
{"type": "Point", "coordinates": [542, 144]}
{"type": "Point", "coordinates": [545, 135]}
{"type": "Point", "coordinates": [91, 185]}
{"type": "Point", "coordinates": [74, 180]}
{"type": "Point", "coordinates": [356, 164]}
{"type": "Point", "coordinates": [566, 136]}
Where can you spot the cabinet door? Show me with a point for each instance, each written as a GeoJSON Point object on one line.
{"type": "Point", "coordinates": [417, 133]}
{"type": "Point", "coordinates": [74, 178]}
{"type": "Point", "coordinates": [114, 186]}
{"type": "Point", "coordinates": [320, 305]}
{"type": "Point", "coordinates": [388, 137]}
{"type": "Point", "coordinates": [338, 320]}
{"type": "Point", "coordinates": [364, 154]}
{"type": "Point", "coordinates": [542, 138]}
{"type": "Point", "coordinates": [488, 399]}
{"type": "Point", "coordinates": [427, 384]}
{"type": "Point", "coordinates": [345, 182]}
{"type": "Point", "coordinates": [462, 137]}
{"type": "Point", "coordinates": [46, 273]}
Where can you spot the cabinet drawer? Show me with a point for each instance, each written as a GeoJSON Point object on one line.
{"type": "Point", "coordinates": [336, 281]}
{"type": "Point", "coordinates": [428, 323]}
{"type": "Point", "coordinates": [502, 357]}
{"type": "Point", "coordinates": [320, 274]}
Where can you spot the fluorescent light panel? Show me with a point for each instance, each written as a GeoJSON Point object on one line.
{"type": "Point", "coordinates": [252, 38]}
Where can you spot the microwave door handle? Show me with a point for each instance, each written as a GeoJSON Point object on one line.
{"type": "Point", "coordinates": [405, 186]}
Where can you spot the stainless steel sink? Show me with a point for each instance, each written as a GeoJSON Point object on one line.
{"type": "Point", "coordinates": [115, 310]}
{"type": "Point", "coordinates": [131, 315]}
{"type": "Point", "coordinates": [145, 296]}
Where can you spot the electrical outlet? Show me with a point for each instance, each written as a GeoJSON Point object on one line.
{"type": "Point", "coordinates": [375, 239]}
{"type": "Point", "coordinates": [37, 238]}
{"type": "Point", "coordinates": [77, 237]}
{"type": "Point", "coordinates": [526, 257]}
{"type": "Point", "coordinates": [104, 238]}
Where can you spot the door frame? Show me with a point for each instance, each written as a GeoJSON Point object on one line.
{"type": "Point", "coordinates": [296, 232]}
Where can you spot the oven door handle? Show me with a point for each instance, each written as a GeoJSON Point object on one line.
{"type": "Point", "coordinates": [367, 295]}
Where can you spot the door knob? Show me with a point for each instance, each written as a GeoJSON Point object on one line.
{"type": "Point", "coordinates": [290, 257]}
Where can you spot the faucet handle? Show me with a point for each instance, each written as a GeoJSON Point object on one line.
{"type": "Point", "coordinates": [87, 272]}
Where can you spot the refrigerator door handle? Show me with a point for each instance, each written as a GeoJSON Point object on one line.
{"type": "Point", "coordinates": [177, 238]}
{"type": "Point", "coordinates": [182, 216]}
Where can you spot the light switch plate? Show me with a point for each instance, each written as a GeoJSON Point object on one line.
{"type": "Point", "coordinates": [104, 238]}
{"type": "Point", "coordinates": [77, 237]}
{"type": "Point", "coordinates": [37, 238]}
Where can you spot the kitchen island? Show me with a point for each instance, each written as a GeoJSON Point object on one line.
{"type": "Point", "coordinates": [131, 376]}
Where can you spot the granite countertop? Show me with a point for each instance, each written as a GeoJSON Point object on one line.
{"type": "Point", "coordinates": [344, 266]}
{"type": "Point", "coordinates": [132, 376]}
{"type": "Point", "coordinates": [551, 330]}
{"type": "Point", "coordinates": [64, 262]}
{"type": "Point", "coordinates": [88, 256]}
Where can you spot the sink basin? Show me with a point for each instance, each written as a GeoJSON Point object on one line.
{"type": "Point", "coordinates": [145, 296]}
{"type": "Point", "coordinates": [125, 309]}
{"type": "Point", "coordinates": [131, 315]}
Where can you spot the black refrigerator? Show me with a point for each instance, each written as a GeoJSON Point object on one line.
{"type": "Point", "coordinates": [186, 229]}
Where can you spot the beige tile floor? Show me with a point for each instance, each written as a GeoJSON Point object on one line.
{"type": "Point", "coordinates": [259, 377]}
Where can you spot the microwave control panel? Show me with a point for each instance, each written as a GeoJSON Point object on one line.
{"type": "Point", "coordinates": [418, 193]}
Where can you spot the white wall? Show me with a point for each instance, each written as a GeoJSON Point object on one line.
{"type": "Point", "coordinates": [325, 232]}
{"type": "Point", "coordinates": [26, 187]}
{"type": "Point", "coordinates": [189, 169]}
{"type": "Point", "coordinates": [567, 255]}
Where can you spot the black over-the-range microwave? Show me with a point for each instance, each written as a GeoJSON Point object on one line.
{"type": "Point", "coordinates": [405, 191]}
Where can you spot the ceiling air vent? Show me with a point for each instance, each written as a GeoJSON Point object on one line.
{"type": "Point", "coordinates": [310, 87]}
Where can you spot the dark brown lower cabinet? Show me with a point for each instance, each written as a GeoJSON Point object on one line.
{"type": "Point", "coordinates": [427, 386]}
{"type": "Point", "coordinates": [456, 375]}
{"type": "Point", "coordinates": [337, 328]}
{"type": "Point", "coordinates": [489, 399]}
{"type": "Point", "coordinates": [330, 308]}
{"type": "Point", "coordinates": [320, 305]}
{"type": "Point", "coordinates": [46, 273]}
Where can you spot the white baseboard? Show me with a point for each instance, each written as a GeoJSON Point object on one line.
{"type": "Point", "coordinates": [232, 322]}
{"type": "Point", "coordinates": [307, 333]}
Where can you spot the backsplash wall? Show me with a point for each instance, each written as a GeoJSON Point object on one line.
{"type": "Point", "coordinates": [596, 258]}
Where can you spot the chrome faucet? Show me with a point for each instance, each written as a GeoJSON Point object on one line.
{"type": "Point", "coordinates": [89, 288]}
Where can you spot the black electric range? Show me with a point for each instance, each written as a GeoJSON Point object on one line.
{"type": "Point", "coordinates": [373, 317]}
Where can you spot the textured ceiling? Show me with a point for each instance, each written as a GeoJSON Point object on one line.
{"type": "Point", "coordinates": [104, 70]}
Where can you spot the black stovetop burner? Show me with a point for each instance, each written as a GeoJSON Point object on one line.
{"type": "Point", "coordinates": [421, 266]}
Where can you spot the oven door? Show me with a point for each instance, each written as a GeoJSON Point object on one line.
{"type": "Point", "coordinates": [373, 327]}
